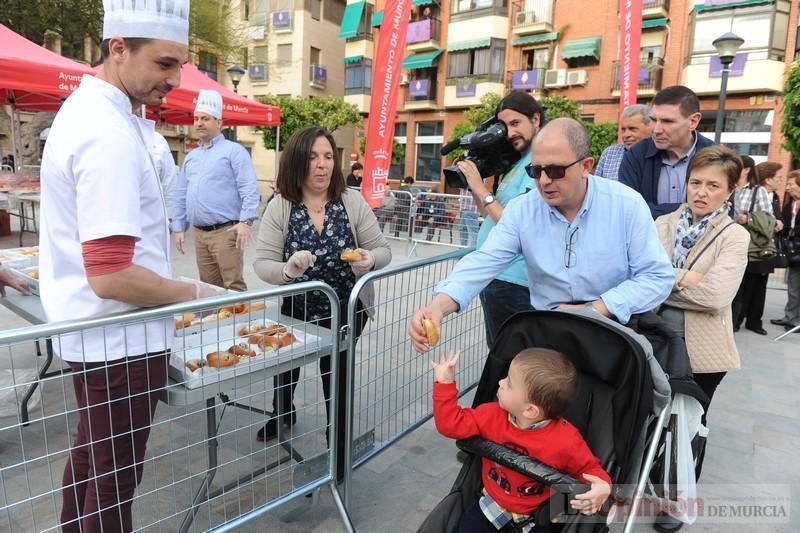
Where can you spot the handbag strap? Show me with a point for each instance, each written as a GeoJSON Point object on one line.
{"type": "Point", "coordinates": [753, 199]}
{"type": "Point", "coordinates": [709, 243]}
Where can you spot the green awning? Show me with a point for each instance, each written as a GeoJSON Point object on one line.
{"type": "Point", "coordinates": [426, 60]}
{"type": "Point", "coordinates": [377, 18]}
{"type": "Point", "coordinates": [588, 47]}
{"type": "Point", "coordinates": [654, 23]}
{"type": "Point", "coordinates": [419, 3]}
{"type": "Point", "coordinates": [730, 5]}
{"type": "Point", "coordinates": [352, 59]}
{"type": "Point", "coordinates": [470, 45]}
{"type": "Point", "coordinates": [535, 39]}
{"type": "Point", "coordinates": [351, 19]}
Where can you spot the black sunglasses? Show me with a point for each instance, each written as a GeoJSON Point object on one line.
{"type": "Point", "coordinates": [554, 172]}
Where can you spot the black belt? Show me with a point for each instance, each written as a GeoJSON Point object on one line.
{"type": "Point", "coordinates": [216, 226]}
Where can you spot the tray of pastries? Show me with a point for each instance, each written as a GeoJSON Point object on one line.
{"type": "Point", "coordinates": [213, 356]}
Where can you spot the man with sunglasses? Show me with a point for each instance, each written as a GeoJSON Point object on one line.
{"type": "Point", "coordinates": [508, 292]}
{"type": "Point", "coordinates": [585, 240]}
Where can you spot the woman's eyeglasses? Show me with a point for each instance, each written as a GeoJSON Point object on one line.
{"type": "Point", "coordinates": [554, 172]}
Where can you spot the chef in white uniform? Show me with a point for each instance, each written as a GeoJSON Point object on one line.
{"type": "Point", "coordinates": [105, 249]}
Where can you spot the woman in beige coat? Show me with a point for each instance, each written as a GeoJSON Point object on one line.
{"type": "Point", "coordinates": [709, 254]}
{"type": "Point", "coordinates": [302, 235]}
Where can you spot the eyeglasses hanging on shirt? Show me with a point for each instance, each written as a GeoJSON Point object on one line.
{"type": "Point", "coordinates": [554, 172]}
{"type": "Point", "coordinates": [571, 239]}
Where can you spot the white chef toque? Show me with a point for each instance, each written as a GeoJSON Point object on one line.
{"type": "Point", "coordinates": [210, 102]}
{"type": "Point", "coordinates": [150, 19]}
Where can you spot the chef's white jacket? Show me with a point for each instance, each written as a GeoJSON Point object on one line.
{"type": "Point", "coordinates": [99, 180]}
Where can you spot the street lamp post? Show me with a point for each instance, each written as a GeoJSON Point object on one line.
{"type": "Point", "coordinates": [726, 45]}
{"type": "Point", "coordinates": [235, 72]}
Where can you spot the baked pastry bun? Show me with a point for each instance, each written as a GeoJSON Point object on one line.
{"type": "Point", "coordinates": [431, 332]}
{"type": "Point", "coordinates": [275, 342]}
{"type": "Point", "coordinates": [350, 256]}
{"type": "Point", "coordinates": [221, 359]}
{"type": "Point", "coordinates": [241, 349]}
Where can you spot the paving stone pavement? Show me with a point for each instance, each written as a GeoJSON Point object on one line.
{"type": "Point", "coordinates": [752, 449]}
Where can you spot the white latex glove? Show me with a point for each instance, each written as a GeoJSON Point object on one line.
{"type": "Point", "coordinates": [298, 263]}
{"type": "Point", "coordinates": [365, 264]}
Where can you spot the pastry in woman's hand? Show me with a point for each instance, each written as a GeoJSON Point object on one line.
{"type": "Point", "coordinates": [350, 256]}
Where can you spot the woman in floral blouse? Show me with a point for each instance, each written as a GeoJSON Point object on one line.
{"type": "Point", "coordinates": [302, 234]}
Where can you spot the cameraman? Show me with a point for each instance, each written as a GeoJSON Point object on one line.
{"type": "Point", "coordinates": [508, 293]}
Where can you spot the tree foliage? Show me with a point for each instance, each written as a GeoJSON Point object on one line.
{"type": "Point", "coordinates": [602, 135]}
{"type": "Point", "coordinates": [398, 149]}
{"type": "Point", "coordinates": [330, 112]}
{"type": "Point", "coordinates": [209, 24]}
{"type": "Point", "coordinates": [559, 107]}
{"type": "Point", "coordinates": [790, 126]}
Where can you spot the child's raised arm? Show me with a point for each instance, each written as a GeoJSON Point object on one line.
{"type": "Point", "coordinates": [445, 370]}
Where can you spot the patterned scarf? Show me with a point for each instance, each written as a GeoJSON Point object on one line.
{"type": "Point", "coordinates": [687, 234]}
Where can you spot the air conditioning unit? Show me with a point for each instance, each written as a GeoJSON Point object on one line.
{"type": "Point", "coordinates": [403, 78]}
{"type": "Point", "coordinates": [576, 77]}
{"type": "Point", "coordinates": [525, 17]}
{"type": "Point", "coordinates": [182, 130]}
{"type": "Point", "coordinates": [555, 78]}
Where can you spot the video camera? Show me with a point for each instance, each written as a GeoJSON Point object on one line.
{"type": "Point", "coordinates": [487, 147]}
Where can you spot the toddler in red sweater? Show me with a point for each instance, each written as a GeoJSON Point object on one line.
{"type": "Point", "coordinates": [526, 417]}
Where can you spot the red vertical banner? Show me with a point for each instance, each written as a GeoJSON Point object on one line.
{"type": "Point", "coordinates": [630, 39]}
{"type": "Point", "coordinates": [385, 82]}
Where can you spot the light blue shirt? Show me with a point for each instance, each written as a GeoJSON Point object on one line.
{"type": "Point", "coordinates": [672, 180]}
{"type": "Point", "coordinates": [616, 253]}
{"type": "Point", "coordinates": [515, 183]}
{"type": "Point", "coordinates": [217, 184]}
{"type": "Point", "coordinates": [610, 161]}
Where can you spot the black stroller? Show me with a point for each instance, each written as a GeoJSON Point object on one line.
{"type": "Point", "coordinates": [620, 408]}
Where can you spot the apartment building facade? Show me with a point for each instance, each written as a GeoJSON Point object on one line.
{"type": "Point", "coordinates": [459, 50]}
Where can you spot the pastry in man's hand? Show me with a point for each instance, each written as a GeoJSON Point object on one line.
{"type": "Point", "coordinates": [431, 332]}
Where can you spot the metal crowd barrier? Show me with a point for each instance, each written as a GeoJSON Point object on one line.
{"type": "Point", "coordinates": [202, 470]}
{"type": "Point", "coordinates": [427, 218]}
{"type": "Point", "coordinates": [389, 384]}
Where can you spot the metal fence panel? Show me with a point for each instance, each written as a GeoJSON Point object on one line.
{"type": "Point", "coordinates": [391, 384]}
{"type": "Point", "coordinates": [443, 219]}
{"type": "Point", "coordinates": [201, 470]}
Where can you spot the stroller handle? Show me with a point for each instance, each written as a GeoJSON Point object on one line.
{"type": "Point", "coordinates": [525, 465]}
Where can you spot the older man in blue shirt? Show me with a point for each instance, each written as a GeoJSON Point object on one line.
{"type": "Point", "coordinates": [594, 242]}
{"type": "Point", "coordinates": [217, 194]}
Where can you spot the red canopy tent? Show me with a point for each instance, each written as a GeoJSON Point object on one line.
{"type": "Point", "coordinates": [178, 106]}
{"type": "Point", "coordinates": [33, 78]}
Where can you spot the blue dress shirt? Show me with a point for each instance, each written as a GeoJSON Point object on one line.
{"type": "Point", "coordinates": [612, 249]}
{"type": "Point", "coordinates": [217, 184]}
{"type": "Point", "coordinates": [515, 183]}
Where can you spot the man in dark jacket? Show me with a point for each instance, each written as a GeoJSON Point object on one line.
{"type": "Point", "coordinates": [656, 167]}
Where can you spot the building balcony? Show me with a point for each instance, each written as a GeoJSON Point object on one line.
{"type": "Point", "coordinates": [652, 9]}
{"type": "Point", "coordinates": [318, 76]}
{"type": "Point", "coordinates": [467, 91]}
{"type": "Point", "coordinates": [537, 18]}
{"type": "Point", "coordinates": [526, 80]}
{"type": "Point", "coordinates": [650, 74]}
{"type": "Point", "coordinates": [364, 34]}
{"type": "Point", "coordinates": [747, 75]}
{"type": "Point", "coordinates": [423, 35]}
{"type": "Point", "coordinates": [470, 9]}
{"type": "Point", "coordinates": [420, 94]}
{"type": "Point", "coordinates": [359, 98]}
{"type": "Point", "coordinates": [282, 21]}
